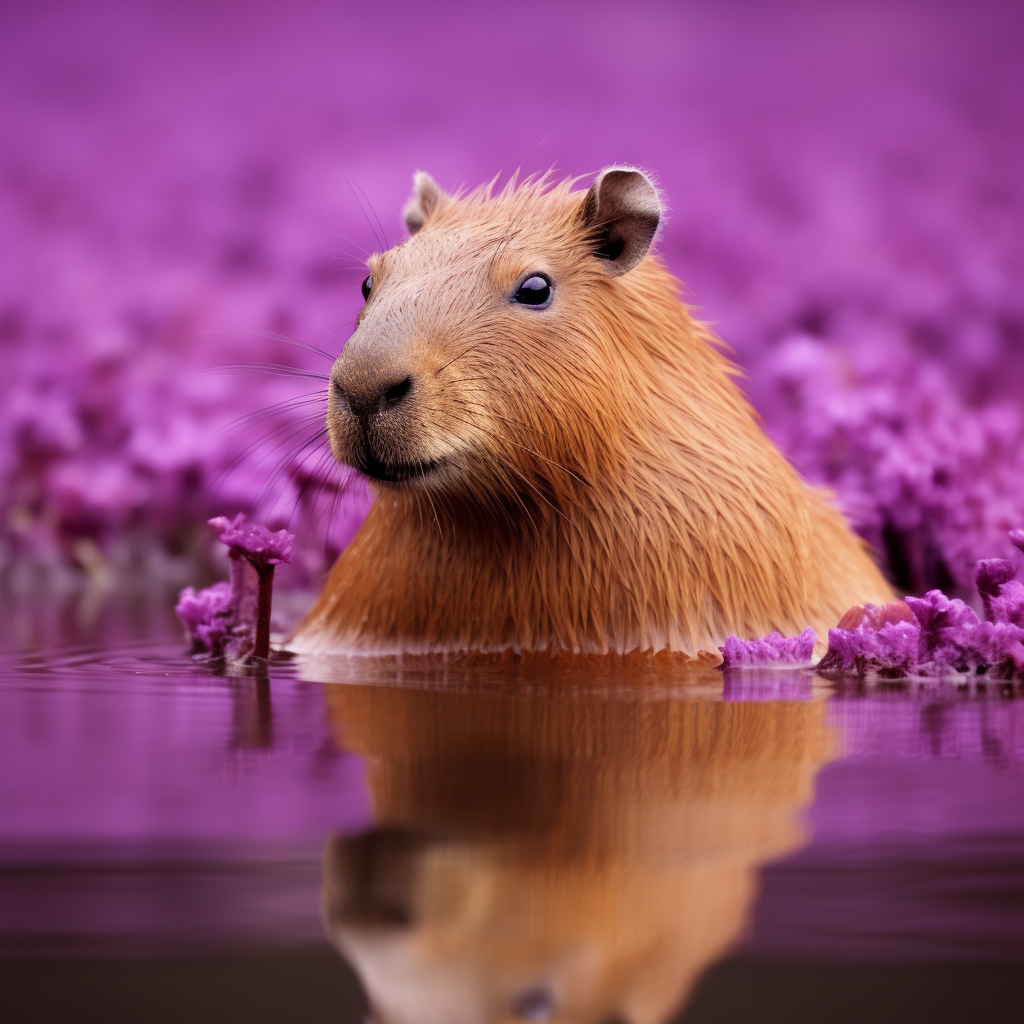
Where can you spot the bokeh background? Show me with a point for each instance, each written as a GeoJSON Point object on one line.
{"type": "Point", "coordinates": [185, 184]}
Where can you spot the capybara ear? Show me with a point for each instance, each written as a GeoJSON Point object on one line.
{"type": "Point", "coordinates": [425, 198]}
{"type": "Point", "coordinates": [622, 211]}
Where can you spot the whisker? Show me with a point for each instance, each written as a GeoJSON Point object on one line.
{"type": "Point", "coordinates": [287, 470]}
{"type": "Point", "coordinates": [519, 423]}
{"type": "Point", "coordinates": [269, 369]}
{"type": "Point", "coordinates": [346, 266]}
{"type": "Point", "coordinates": [365, 214]}
{"type": "Point", "coordinates": [290, 425]}
{"type": "Point", "coordinates": [274, 336]}
{"type": "Point", "coordinates": [313, 398]}
{"type": "Point", "coordinates": [437, 521]}
{"type": "Point", "coordinates": [338, 234]}
{"type": "Point", "coordinates": [498, 248]}
{"type": "Point", "coordinates": [284, 465]}
{"type": "Point", "coordinates": [519, 473]}
{"type": "Point", "coordinates": [465, 351]}
{"type": "Point", "coordinates": [536, 145]}
{"type": "Point", "coordinates": [348, 481]}
{"type": "Point", "coordinates": [237, 461]}
{"type": "Point", "coordinates": [543, 458]}
{"type": "Point", "coordinates": [387, 244]}
{"type": "Point", "coordinates": [314, 480]}
{"type": "Point", "coordinates": [506, 419]}
{"type": "Point", "coordinates": [550, 462]}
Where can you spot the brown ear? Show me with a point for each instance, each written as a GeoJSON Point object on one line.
{"type": "Point", "coordinates": [622, 211]}
{"type": "Point", "coordinates": [426, 196]}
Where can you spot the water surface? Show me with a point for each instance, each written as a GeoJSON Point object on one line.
{"type": "Point", "coordinates": [480, 842]}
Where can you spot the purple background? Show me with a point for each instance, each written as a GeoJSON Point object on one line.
{"type": "Point", "coordinates": [845, 184]}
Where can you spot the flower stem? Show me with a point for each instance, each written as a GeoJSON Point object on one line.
{"type": "Point", "coordinates": [265, 574]}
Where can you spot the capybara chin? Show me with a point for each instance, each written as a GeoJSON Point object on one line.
{"type": "Point", "coordinates": [563, 462]}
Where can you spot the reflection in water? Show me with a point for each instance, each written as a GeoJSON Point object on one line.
{"type": "Point", "coordinates": [558, 855]}
{"type": "Point", "coordinates": [586, 834]}
{"type": "Point", "coordinates": [253, 712]}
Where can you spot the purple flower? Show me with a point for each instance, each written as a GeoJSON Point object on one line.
{"type": "Point", "coordinates": [998, 645]}
{"type": "Point", "coordinates": [1008, 604]}
{"type": "Point", "coordinates": [774, 649]}
{"type": "Point", "coordinates": [990, 576]}
{"type": "Point", "coordinates": [945, 629]}
{"type": "Point", "coordinates": [208, 616]}
{"type": "Point", "coordinates": [882, 639]}
{"type": "Point", "coordinates": [256, 542]}
{"type": "Point", "coordinates": [930, 484]}
{"type": "Point", "coordinates": [867, 277]}
{"type": "Point", "coordinates": [944, 634]}
{"type": "Point", "coordinates": [232, 620]}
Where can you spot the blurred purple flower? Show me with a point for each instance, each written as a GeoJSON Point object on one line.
{"type": "Point", "coordinates": [930, 483]}
{"type": "Point", "coordinates": [991, 575]}
{"type": "Point", "coordinates": [857, 245]}
{"type": "Point", "coordinates": [208, 616]}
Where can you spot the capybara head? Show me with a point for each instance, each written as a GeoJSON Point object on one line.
{"type": "Point", "coordinates": [487, 351]}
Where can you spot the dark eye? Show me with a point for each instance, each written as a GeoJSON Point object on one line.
{"type": "Point", "coordinates": [366, 286]}
{"type": "Point", "coordinates": [534, 291]}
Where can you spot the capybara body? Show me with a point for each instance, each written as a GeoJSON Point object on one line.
{"type": "Point", "coordinates": [562, 458]}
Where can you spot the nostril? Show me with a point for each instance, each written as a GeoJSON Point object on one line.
{"type": "Point", "coordinates": [396, 393]}
{"type": "Point", "coordinates": [367, 398]}
{"type": "Point", "coordinates": [338, 394]}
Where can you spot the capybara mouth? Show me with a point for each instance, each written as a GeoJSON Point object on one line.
{"type": "Point", "coordinates": [395, 472]}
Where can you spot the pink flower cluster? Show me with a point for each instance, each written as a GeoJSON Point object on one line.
{"type": "Point", "coordinates": [232, 620]}
{"type": "Point", "coordinates": [258, 544]}
{"type": "Point", "coordinates": [935, 635]}
{"type": "Point", "coordinates": [209, 617]}
{"type": "Point", "coordinates": [930, 483]}
{"type": "Point", "coordinates": [773, 649]}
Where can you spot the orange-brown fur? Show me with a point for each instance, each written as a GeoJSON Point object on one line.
{"type": "Point", "coordinates": [605, 847]}
{"type": "Point", "coordinates": [605, 485]}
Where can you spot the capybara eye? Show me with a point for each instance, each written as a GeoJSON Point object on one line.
{"type": "Point", "coordinates": [534, 291]}
{"type": "Point", "coordinates": [366, 286]}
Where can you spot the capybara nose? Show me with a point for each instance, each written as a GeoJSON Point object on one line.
{"type": "Point", "coordinates": [369, 397]}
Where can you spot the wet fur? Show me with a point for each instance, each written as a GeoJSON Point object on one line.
{"type": "Point", "coordinates": [605, 485]}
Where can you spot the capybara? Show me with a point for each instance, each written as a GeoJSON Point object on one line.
{"type": "Point", "coordinates": [562, 459]}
